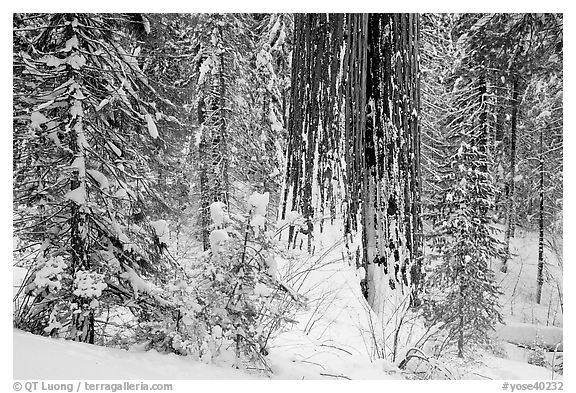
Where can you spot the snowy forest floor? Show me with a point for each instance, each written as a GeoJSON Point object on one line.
{"type": "Point", "coordinates": [335, 336]}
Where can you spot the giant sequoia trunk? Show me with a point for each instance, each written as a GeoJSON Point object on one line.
{"type": "Point", "coordinates": [313, 121]}
{"type": "Point", "coordinates": [391, 164]}
{"type": "Point", "coordinates": [380, 144]}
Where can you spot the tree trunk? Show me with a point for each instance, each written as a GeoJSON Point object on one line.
{"type": "Point", "coordinates": [540, 276]}
{"type": "Point", "coordinates": [461, 324]}
{"type": "Point", "coordinates": [510, 230]}
{"type": "Point", "coordinates": [224, 186]}
{"type": "Point", "coordinates": [312, 125]}
{"type": "Point", "coordinates": [390, 169]}
{"type": "Point", "coordinates": [380, 145]}
{"type": "Point", "coordinates": [82, 324]}
{"type": "Point", "coordinates": [203, 175]}
{"type": "Point", "coordinates": [213, 154]}
{"type": "Point", "coordinates": [483, 137]}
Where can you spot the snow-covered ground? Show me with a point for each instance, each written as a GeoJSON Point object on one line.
{"type": "Point", "coordinates": [341, 318]}
{"type": "Point", "coordinates": [335, 337]}
{"type": "Point", "coordinates": [37, 357]}
{"type": "Point", "coordinates": [519, 283]}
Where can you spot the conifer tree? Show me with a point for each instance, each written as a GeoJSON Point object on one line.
{"type": "Point", "coordinates": [462, 295]}
{"type": "Point", "coordinates": [83, 135]}
{"type": "Point", "coordinates": [462, 292]}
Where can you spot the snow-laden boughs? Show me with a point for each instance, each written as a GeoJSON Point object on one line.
{"type": "Point", "coordinates": [228, 303]}
{"type": "Point", "coordinates": [259, 204]}
{"type": "Point", "coordinates": [151, 126]}
{"type": "Point", "coordinates": [219, 214]}
{"type": "Point", "coordinates": [462, 294]}
{"type": "Point", "coordinates": [499, 59]}
{"type": "Point", "coordinates": [218, 239]}
{"type": "Point", "coordinates": [161, 230]}
{"type": "Point", "coordinates": [85, 123]}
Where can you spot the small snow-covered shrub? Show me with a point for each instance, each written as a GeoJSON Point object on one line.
{"type": "Point", "coordinates": [60, 298]}
{"type": "Point", "coordinates": [228, 302]}
{"type": "Point", "coordinates": [537, 357]}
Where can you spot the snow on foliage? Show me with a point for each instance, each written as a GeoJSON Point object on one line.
{"type": "Point", "coordinates": [53, 61]}
{"type": "Point", "coordinates": [115, 149]}
{"type": "Point", "coordinates": [89, 284]}
{"type": "Point", "coordinates": [258, 206]}
{"type": "Point", "coordinates": [122, 194]}
{"type": "Point", "coordinates": [274, 122]}
{"type": "Point", "coordinates": [53, 136]}
{"type": "Point", "coordinates": [198, 136]}
{"type": "Point", "coordinates": [161, 230]}
{"type": "Point", "coordinates": [218, 239]}
{"type": "Point", "coordinates": [272, 266]}
{"type": "Point", "coordinates": [204, 68]}
{"type": "Point", "coordinates": [361, 273]}
{"type": "Point", "coordinates": [127, 244]}
{"type": "Point", "coordinates": [544, 114]}
{"type": "Point", "coordinates": [76, 110]}
{"type": "Point", "coordinates": [50, 274]}
{"type": "Point", "coordinates": [139, 285]}
{"type": "Point", "coordinates": [77, 195]}
{"type": "Point", "coordinates": [259, 202]}
{"type": "Point", "coordinates": [262, 290]}
{"type": "Point", "coordinates": [102, 104]}
{"type": "Point", "coordinates": [36, 119]}
{"type": "Point", "coordinates": [216, 331]}
{"type": "Point", "coordinates": [264, 58]}
{"type": "Point", "coordinates": [77, 61]}
{"type": "Point", "coordinates": [151, 126]}
{"type": "Point", "coordinates": [230, 302]}
{"type": "Point", "coordinates": [257, 222]}
{"type": "Point", "coordinates": [79, 163]}
{"type": "Point", "coordinates": [218, 213]}
{"type": "Point", "coordinates": [100, 178]}
{"type": "Point", "coordinates": [146, 24]}
{"type": "Point", "coordinates": [293, 216]}
{"type": "Point", "coordinates": [72, 43]}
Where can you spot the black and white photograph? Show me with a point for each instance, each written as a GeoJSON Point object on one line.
{"type": "Point", "coordinates": [287, 196]}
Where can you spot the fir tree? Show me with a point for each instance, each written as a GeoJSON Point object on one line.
{"type": "Point", "coordinates": [463, 295]}
{"type": "Point", "coordinates": [83, 136]}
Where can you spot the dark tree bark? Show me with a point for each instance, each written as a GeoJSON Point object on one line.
{"type": "Point", "coordinates": [313, 120]}
{"type": "Point", "coordinates": [378, 101]}
{"type": "Point", "coordinates": [483, 135]}
{"type": "Point", "coordinates": [510, 230]}
{"type": "Point", "coordinates": [82, 323]}
{"type": "Point", "coordinates": [540, 274]}
{"type": "Point", "coordinates": [384, 48]}
{"type": "Point", "coordinates": [203, 177]}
